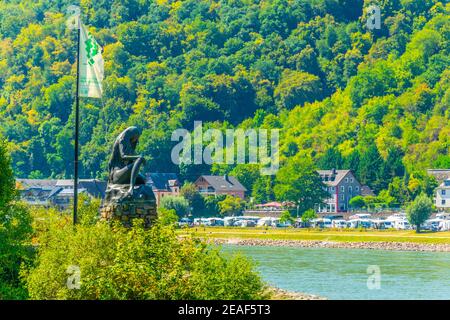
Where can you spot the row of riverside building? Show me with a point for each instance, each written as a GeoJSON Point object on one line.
{"type": "Point", "coordinates": [342, 185]}
{"type": "Point", "coordinates": [59, 193]}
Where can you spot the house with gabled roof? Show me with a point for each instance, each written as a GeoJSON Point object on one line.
{"type": "Point", "coordinates": [57, 193]}
{"type": "Point", "coordinates": [341, 185]}
{"type": "Point", "coordinates": [36, 191]}
{"type": "Point", "coordinates": [163, 184]}
{"type": "Point", "coordinates": [218, 185]}
{"type": "Point", "coordinates": [442, 196]}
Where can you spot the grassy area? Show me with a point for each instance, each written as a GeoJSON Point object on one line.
{"type": "Point", "coordinates": [347, 235]}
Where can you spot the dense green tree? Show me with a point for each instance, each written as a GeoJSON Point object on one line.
{"type": "Point", "coordinates": [296, 88]}
{"type": "Point", "coordinates": [190, 192]}
{"type": "Point", "coordinates": [231, 206]}
{"type": "Point", "coordinates": [286, 217]}
{"type": "Point", "coordinates": [374, 101]}
{"type": "Point", "coordinates": [299, 182]}
{"type": "Point", "coordinates": [212, 207]}
{"type": "Point", "coordinates": [419, 211]}
{"type": "Point", "coordinates": [309, 215]}
{"type": "Point", "coordinates": [179, 204]}
{"type": "Point", "coordinates": [357, 202]}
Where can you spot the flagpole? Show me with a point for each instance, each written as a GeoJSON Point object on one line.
{"type": "Point", "coordinates": [77, 131]}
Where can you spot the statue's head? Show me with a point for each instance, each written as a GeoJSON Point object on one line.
{"type": "Point", "coordinates": [133, 134]}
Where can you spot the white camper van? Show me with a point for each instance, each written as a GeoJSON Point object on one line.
{"type": "Point", "coordinates": [321, 223]}
{"type": "Point", "coordinates": [444, 225]}
{"type": "Point", "coordinates": [401, 224]}
{"type": "Point", "coordinates": [360, 223]}
{"type": "Point", "coordinates": [339, 224]}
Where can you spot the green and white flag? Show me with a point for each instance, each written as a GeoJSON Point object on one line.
{"type": "Point", "coordinates": [91, 65]}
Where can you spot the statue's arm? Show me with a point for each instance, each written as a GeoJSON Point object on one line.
{"type": "Point", "coordinates": [126, 152]}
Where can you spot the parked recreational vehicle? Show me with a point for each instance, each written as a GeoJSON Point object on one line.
{"type": "Point", "coordinates": [444, 225]}
{"type": "Point", "coordinates": [185, 222]}
{"type": "Point", "coordinates": [214, 222]}
{"type": "Point", "coordinates": [360, 216]}
{"type": "Point", "coordinates": [382, 224]}
{"type": "Point", "coordinates": [279, 224]}
{"type": "Point", "coordinates": [321, 223]}
{"type": "Point", "coordinates": [252, 218]}
{"type": "Point", "coordinates": [443, 215]}
{"type": "Point", "coordinates": [201, 222]}
{"type": "Point", "coordinates": [360, 223]}
{"type": "Point", "coordinates": [339, 223]}
{"type": "Point", "coordinates": [395, 216]}
{"type": "Point", "coordinates": [229, 221]}
{"type": "Point", "coordinates": [401, 224]}
{"type": "Point", "coordinates": [245, 223]}
{"type": "Point", "coordinates": [433, 224]}
{"type": "Point", "coordinates": [265, 222]}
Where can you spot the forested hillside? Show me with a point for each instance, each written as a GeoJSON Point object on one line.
{"type": "Point", "coordinates": [347, 97]}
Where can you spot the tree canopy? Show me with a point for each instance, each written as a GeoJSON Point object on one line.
{"type": "Point", "coordinates": [374, 101]}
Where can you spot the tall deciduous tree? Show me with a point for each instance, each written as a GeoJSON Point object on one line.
{"type": "Point", "coordinates": [298, 181]}
{"type": "Point", "coordinates": [190, 193]}
{"type": "Point", "coordinates": [231, 205]}
{"type": "Point", "coordinates": [419, 211]}
{"type": "Point", "coordinates": [179, 204]}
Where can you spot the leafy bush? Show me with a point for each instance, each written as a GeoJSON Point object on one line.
{"type": "Point", "coordinates": [309, 215]}
{"type": "Point", "coordinates": [15, 232]}
{"type": "Point", "coordinates": [167, 217]}
{"type": "Point", "coordinates": [15, 249]}
{"type": "Point", "coordinates": [357, 202]}
{"type": "Point", "coordinates": [119, 263]}
{"type": "Point", "coordinates": [212, 207]}
{"type": "Point", "coordinates": [286, 217]}
{"type": "Point", "coordinates": [179, 204]}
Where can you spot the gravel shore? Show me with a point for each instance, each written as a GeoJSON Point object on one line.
{"type": "Point", "coordinates": [280, 294]}
{"type": "Point", "coordinates": [399, 246]}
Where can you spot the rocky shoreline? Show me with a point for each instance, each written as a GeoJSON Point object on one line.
{"type": "Point", "coordinates": [398, 246]}
{"type": "Point", "coordinates": [280, 294]}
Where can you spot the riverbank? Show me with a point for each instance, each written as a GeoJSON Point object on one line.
{"type": "Point", "coordinates": [398, 246]}
{"type": "Point", "coordinates": [280, 294]}
{"type": "Point", "coordinates": [314, 238]}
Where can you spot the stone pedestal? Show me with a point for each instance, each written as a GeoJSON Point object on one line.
{"type": "Point", "coordinates": [118, 205]}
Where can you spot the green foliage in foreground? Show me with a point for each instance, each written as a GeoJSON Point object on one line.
{"type": "Point", "coordinates": [15, 249]}
{"type": "Point", "coordinates": [119, 263]}
{"type": "Point", "coordinates": [167, 217]}
{"type": "Point", "coordinates": [419, 211]}
{"type": "Point", "coordinates": [15, 231]}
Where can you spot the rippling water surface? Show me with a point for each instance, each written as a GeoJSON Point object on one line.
{"type": "Point", "coordinates": [343, 273]}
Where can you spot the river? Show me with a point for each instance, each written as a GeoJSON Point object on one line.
{"type": "Point", "coordinates": [353, 273]}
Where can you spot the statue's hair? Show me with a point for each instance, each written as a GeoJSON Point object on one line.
{"type": "Point", "coordinates": [130, 132]}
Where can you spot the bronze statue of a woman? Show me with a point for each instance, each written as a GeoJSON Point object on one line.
{"type": "Point", "coordinates": [124, 164]}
